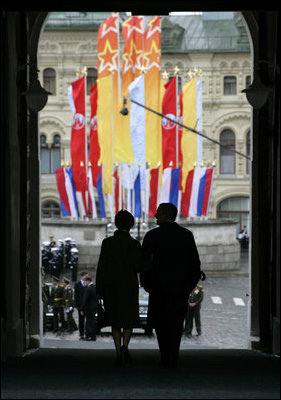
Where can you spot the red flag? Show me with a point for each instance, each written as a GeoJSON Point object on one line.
{"type": "Point", "coordinates": [154, 176]}
{"type": "Point", "coordinates": [78, 157]}
{"type": "Point", "coordinates": [77, 147]}
{"type": "Point", "coordinates": [62, 189]}
{"type": "Point", "coordinates": [185, 201]}
{"type": "Point", "coordinates": [94, 147]}
{"type": "Point", "coordinates": [169, 128]}
{"type": "Point", "coordinates": [180, 136]}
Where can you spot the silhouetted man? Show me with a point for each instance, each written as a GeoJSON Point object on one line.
{"type": "Point", "coordinates": [174, 272]}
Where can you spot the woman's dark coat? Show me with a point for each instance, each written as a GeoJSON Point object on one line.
{"type": "Point", "coordinates": [117, 280]}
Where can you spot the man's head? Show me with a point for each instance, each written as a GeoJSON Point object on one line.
{"type": "Point", "coordinates": [88, 280]}
{"type": "Point", "coordinates": [166, 212]}
{"type": "Point", "coordinates": [83, 275]}
{"type": "Point", "coordinates": [124, 220]}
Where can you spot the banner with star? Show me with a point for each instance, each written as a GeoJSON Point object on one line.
{"type": "Point", "coordinates": [108, 94]}
{"type": "Point", "coordinates": [152, 60]}
{"type": "Point", "coordinates": [132, 61]}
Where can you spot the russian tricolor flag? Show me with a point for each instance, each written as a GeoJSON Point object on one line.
{"type": "Point", "coordinates": [197, 193]}
{"type": "Point", "coordinates": [66, 189]}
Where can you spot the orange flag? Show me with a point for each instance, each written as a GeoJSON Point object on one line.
{"type": "Point", "coordinates": [152, 60]}
{"type": "Point", "coordinates": [107, 94]}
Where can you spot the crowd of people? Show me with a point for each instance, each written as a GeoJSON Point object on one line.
{"type": "Point", "coordinates": [63, 300]}
{"type": "Point", "coordinates": [57, 259]}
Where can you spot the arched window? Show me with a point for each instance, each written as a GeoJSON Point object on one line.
{"type": "Point", "coordinates": [248, 150]}
{"type": "Point", "coordinates": [50, 209]}
{"type": "Point", "coordinates": [55, 153]}
{"type": "Point", "coordinates": [227, 157]}
{"type": "Point", "coordinates": [237, 208]}
{"type": "Point", "coordinates": [91, 79]}
{"type": "Point", "coordinates": [229, 85]}
{"type": "Point", "coordinates": [44, 155]}
{"type": "Point", "coordinates": [49, 80]}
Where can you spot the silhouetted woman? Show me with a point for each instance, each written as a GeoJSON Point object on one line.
{"type": "Point", "coordinates": [117, 282]}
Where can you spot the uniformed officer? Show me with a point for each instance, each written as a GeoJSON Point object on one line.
{"type": "Point", "coordinates": [55, 265]}
{"type": "Point", "coordinates": [45, 300]}
{"type": "Point", "coordinates": [193, 311]}
{"type": "Point", "coordinates": [73, 263]}
{"type": "Point", "coordinates": [67, 254]}
{"type": "Point", "coordinates": [45, 258]}
{"type": "Point", "coordinates": [57, 302]}
{"type": "Point", "coordinates": [69, 306]}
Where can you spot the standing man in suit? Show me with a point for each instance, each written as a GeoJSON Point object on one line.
{"type": "Point", "coordinates": [79, 291]}
{"type": "Point", "coordinates": [174, 272]}
{"type": "Point", "coordinates": [90, 307]}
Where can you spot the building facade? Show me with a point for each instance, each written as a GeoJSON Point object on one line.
{"type": "Point", "coordinates": [215, 43]}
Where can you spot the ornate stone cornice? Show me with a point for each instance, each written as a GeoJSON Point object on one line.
{"type": "Point", "coordinates": [54, 122]}
{"type": "Point", "coordinates": [229, 117]}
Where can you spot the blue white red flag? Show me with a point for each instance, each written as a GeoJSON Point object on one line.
{"type": "Point", "coordinates": [137, 189]}
{"type": "Point", "coordinates": [174, 192]}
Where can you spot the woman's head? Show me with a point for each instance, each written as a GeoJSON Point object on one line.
{"type": "Point", "coordinates": [124, 220]}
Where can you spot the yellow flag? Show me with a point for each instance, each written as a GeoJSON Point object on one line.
{"type": "Point", "coordinates": [105, 129]}
{"type": "Point", "coordinates": [152, 57]}
{"type": "Point", "coordinates": [189, 139]}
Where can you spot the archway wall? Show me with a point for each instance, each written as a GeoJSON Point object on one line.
{"type": "Point", "coordinates": [20, 32]}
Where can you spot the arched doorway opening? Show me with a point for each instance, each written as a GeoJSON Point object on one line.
{"type": "Point", "coordinates": [228, 92]}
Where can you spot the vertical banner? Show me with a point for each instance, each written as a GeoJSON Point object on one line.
{"type": "Point", "coordinates": [132, 61]}
{"type": "Point", "coordinates": [154, 180]}
{"type": "Point", "coordinates": [78, 137]}
{"type": "Point", "coordinates": [152, 59]}
{"type": "Point", "coordinates": [186, 194]}
{"type": "Point", "coordinates": [137, 203]}
{"type": "Point", "coordinates": [189, 139]}
{"type": "Point", "coordinates": [199, 119]}
{"type": "Point", "coordinates": [174, 192]}
{"type": "Point", "coordinates": [164, 195]}
{"type": "Point", "coordinates": [194, 200]}
{"type": "Point", "coordinates": [91, 198]}
{"type": "Point", "coordinates": [60, 178]}
{"type": "Point", "coordinates": [108, 94]}
{"type": "Point", "coordinates": [137, 128]}
{"type": "Point", "coordinates": [94, 147]}
{"type": "Point", "coordinates": [208, 190]}
{"type": "Point", "coordinates": [169, 128]}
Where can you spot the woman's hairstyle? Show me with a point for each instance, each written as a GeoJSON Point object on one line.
{"type": "Point", "coordinates": [124, 220]}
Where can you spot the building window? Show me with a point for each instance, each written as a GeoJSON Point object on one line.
{"type": "Point", "coordinates": [248, 149]}
{"type": "Point", "coordinates": [50, 209]}
{"type": "Point", "coordinates": [49, 80]}
{"type": "Point", "coordinates": [236, 208]}
{"type": "Point", "coordinates": [248, 81]}
{"type": "Point", "coordinates": [91, 79]}
{"type": "Point", "coordinates": [229, 85]}
{"type": "Point", "coordinates": [179, 84]}
{"type": "Point", "coordinates": [227, 157]}
{"type": "Point", "coordinates": [44, 155]}
{"type": "Point", "coordinates": [55, 153]}
{"type": "Point", "coordinates": [50, 156]}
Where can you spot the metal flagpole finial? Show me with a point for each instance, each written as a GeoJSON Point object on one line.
{"type": "Point", "coordinates": [85, 71]}
{"type": "Point", "coordinates": [89, 164]}
{"type": "Point", "coordinates": [165, 75]}
{"type": "Point", "coordinates": [190, 74]}
{"type": "Point", "coordinates": [78, 73]}
{"type": "Point", "coordinates": [81, 164]}
{"type": "Point", "coordinates": [143, 69]}
{"type": "Point", "coordinates": [176, 70]}
{"type": "Point", "coordinates": [194, 164]}
{"type": "Point", "coordinates": [63, 163]}
{"type": "Point", "coordinates": [213, 164]}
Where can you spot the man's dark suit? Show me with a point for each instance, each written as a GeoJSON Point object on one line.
{"type": "Point", "coordinates": [79, 291]}
{"type": "Point", "coordinates": [174, 272]}
{"type": "Point", "coordinates": [90, 307]}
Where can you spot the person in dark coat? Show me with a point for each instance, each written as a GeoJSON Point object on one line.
{"type": "Point", "coordinates": [79, 290]}
{"type": "Point", "coordinates": [174, 272]}
{"type": "Point", "coordinates": [90, 307]}
{"type": "Point", "coordinates": [117, 282]}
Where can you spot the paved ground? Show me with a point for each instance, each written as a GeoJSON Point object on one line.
{"type": "Point", "coordinates": [217, 365]}
{"type": "Point", "coordinates": [90, 374]}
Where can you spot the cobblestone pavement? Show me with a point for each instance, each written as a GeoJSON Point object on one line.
{"type": "Point", "coordinates": [224, 318]}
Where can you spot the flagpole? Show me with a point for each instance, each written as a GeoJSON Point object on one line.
{"type": "Point", "coordinates": [112, 137]}
{"type": "Point", "coordinates": [176, 69]}
{"type": "Point", "coordinates": [84, 71]}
